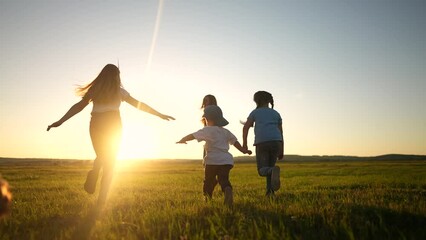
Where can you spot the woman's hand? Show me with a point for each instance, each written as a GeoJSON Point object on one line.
{"type": "Point", "coordinates": [166, 117]}
{"type": "Point", "coordinates": [55, 124]}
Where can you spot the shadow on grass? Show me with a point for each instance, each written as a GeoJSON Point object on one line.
{"type": "Point", "coordinates": [84, 229]}
{"type": "Point", "coordinates": [381, 223]}
{"type": "Point", "coordinates": [344, 221]}
{"type": "Point", "coordinates": [58, 226]}
{"type": "Point", "coordinates": [255, 220]}
{"type": "Point", "coordinates": [49, 227]}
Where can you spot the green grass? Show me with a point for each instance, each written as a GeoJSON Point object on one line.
{"type": "Point", "coordinates": [163, 200]}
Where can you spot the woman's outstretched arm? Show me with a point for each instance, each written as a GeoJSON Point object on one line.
{"type": "Point", "coordinates": [76, 108]}
{"type": "Point", "coordinates": [146, 108]}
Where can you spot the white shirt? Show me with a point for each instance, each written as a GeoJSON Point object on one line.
{"type": "Point", "coordinates": [112, 106]}
{"type": "Point", "coordinates": [217, 144]}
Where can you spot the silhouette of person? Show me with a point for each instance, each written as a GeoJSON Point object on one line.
{"type": "Point", "coordinates": [268, 139]}
{"type": "Point", "coordinates": [106, 93]}
{"type": "Point", "coordinates": [218, 160]}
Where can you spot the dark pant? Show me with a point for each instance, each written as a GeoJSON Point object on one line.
{"type": "Point", "coordinates": [210, 173]}
{"type": "Point", "coordinates": [266, 157]}
{"type": "Point", "coordinates": [105, 132]}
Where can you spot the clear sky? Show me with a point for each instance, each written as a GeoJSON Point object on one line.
{"type": "Point", "coordinates": [348, 77]}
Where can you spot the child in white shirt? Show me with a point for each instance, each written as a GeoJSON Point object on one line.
{"type": "Point", "coordinates": [218, 161]}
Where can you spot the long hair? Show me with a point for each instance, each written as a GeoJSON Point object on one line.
{"type": "Point", "coordinates": [106, 86]}
{"type": "Point", "coordinates": [262, 98]}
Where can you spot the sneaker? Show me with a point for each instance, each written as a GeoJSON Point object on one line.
{"type": "Point", "coordinates": [207, 198]}
{"type": "Point", "coordinates": [270, 194]}
{"type": "Point", "coordinates": [91, 179]}
{"type": "Point", "coordinates": [275, 178]}
{"type": "Point", "coordinates": [229, 196]}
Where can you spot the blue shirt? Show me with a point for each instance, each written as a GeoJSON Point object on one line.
{"type": "Point", "coordinates": [266, 121]}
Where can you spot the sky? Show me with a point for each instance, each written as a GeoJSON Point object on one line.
{"type": "Point", "coordinates": [347, 77]}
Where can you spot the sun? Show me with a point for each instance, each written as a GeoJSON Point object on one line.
{"type": "Point", "coordinates": [137, 143]}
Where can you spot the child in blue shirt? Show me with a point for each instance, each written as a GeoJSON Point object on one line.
{"type": "Point", "coordinates": [268, 139]}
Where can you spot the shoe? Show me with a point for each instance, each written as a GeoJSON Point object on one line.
{"type": "Point", "coordinates": [229, 197]}
{"type": "Point", "coordinates": [270, 194]}
{"type": "Point", "coordinates": [91, 179]}
{"type": "Point", "coordinates": [207, 198]}
{"type": "Point", "coordinates": [275, 178]}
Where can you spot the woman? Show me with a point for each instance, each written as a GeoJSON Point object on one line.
{"type": "Point", "coordinates": [106, 93]}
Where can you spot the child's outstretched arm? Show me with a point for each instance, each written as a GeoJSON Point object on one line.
{"type": "Point", "coordinates": [186, 138]}
{"type": "Point", "coordinates": [146, 108]}
{"type": "Point", "coordinates": [238, 146]}
{"type": "Point", "coordinates": [76, 108]}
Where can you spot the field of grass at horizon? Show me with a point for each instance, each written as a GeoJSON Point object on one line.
{"type": "Point", "coordinates": [163, 200]}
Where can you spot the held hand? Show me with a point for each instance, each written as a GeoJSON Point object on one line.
{"type": "Point", "coordinates": [55, 124]}
{"type": "Point", "coordinates": [248, 152]}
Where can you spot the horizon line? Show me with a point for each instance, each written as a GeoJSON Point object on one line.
{"type": "Point", "coordinates": [289, 155]}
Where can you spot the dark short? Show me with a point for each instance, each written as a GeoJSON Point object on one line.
{"type": "Point", "coordinates": [210, 180]}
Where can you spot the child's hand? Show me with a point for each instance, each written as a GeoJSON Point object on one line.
{"type": "Point", "coordinates": [246, 151]}
{"type": "Point", "coordinates": [181, 142]}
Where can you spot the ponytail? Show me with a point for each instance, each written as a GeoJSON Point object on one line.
{"type": "Point", "coordinates": [262, 97]}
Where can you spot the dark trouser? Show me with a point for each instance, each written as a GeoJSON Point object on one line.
{"type": "Point", "coordinates": [266, 157]}
{"type": "Point", "coordinates": [105, 132]}
{"type": "Point", "coordinates": [210, 173]}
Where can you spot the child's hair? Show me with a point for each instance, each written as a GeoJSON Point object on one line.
{"type": "Point", "coordinates": [208, 100]}
{"type": "Point", "coordinates": [106, 86]}
{"type": "Point", "coordinates": [263, 97]}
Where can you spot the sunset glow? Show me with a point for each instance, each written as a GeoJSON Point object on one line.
{"type": "Point", "coordinates": [346, 76]}
{"type": "Point", "coordinates": [137, 143]}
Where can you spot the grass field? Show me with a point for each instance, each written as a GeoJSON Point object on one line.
{"type": "Point", "coordinates": [163, 200]}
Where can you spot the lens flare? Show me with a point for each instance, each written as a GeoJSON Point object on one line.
{"type": "Point", "coordinates": [154, 36]}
